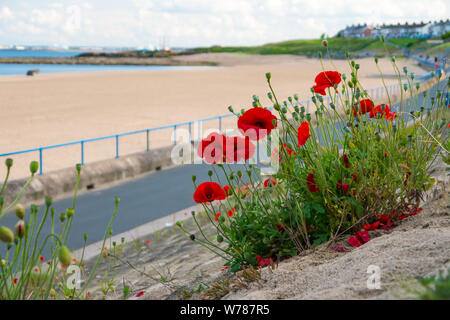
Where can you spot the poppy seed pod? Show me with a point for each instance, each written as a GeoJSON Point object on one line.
{"type": "Point", "coordinates": [70, 212]}
{"type": "Point", "coordinates": [48, 201]}
{"type": "Point", "coordinates": [20, 229]}
{"type": "Point", "coordinates": [64, 256]}
{"type": "Point", "coordinates": [6, 235]}
{"type": "Point", "coordinates": [268, 75]}
{"type": "Point", "coordinates": [9, 162]}
{"type": "Point", "coordinates": [78, 167]}
{"type": "Point", "coordinates": [34, 166]}
{"type": "Point", "coordinates": [62, 217]}
{"type": "Point", "coordinates": [192, 237]}
{"type": "Point", "coordinates": [325, 43]}
{"type": "Point", "coordinates": [20, 211]}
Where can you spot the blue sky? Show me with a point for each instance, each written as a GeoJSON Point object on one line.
{"type": "Point", "coordinates": [187, 23]}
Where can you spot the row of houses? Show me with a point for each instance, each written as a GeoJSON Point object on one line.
{"type": "Point", "coordinates": [415, 30]}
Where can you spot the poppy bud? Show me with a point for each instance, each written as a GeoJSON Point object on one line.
{"type": "Point", "coordinates": [20, 229]}
{"type": "Point", "coordinates": [85, 237]}
{"type": "Point", "coordinates": [194, 178]}
{"type": "Point", "coordinates": [210, 173]}
{"type": "Point", "coordinates": [20, 211]}
{"type": "Point", "coordinates": [78, 167]}
{"type": "Point", "coordinates": [219, 238]}
{"type": "Point", "coordinates": [192, 237]}
{"type": "Point", "coordinates": [48, 201]}
{"type": "Point", "coordinates": [239, 173]}
{"type": "Point", "coordinates": [230, 108]}
{"type": "Point", "coordinates": [255, 104]}
{"type": "Point", "coordinates": [296, 97]}
{"type": "Point", "coordinates": [62, 217]}
{"type": "Point", "coordinates": [269, 95]}
{"type": "Point", "coordinates": [393, 58]}
{"type": "Point", "coordinates": [332, 106]}
{"type": "Point", "coordinates": [274, 122]}
{"type": "Point", "coordinates": [325, 43]}
{"type": "Point", "coordinates": [405, 87]}
{"type": "Point", "coordinates": [9, 162]}
{"type": "Point", "coordinates": [382, 38]}
{"type": "Point", "coordinates": [64, 256]}
{"type": "Point", "coordinates": [320, 54]}
{"type": "Point", "coordinates": [411, 75]}
{"type": "Point", "coordinates": [268, 75]}
{"type": "Point", "coordinates": [357, 66]}
{"type": "Point", "coordinates": [122, 240]}
{"type": "Point", "coordinates": [376, 60]}
{"type": "Point", "coordinates": [116, 200]}
{"type": "Point", "coordinates": [6, 235]}
{"type": "Point", "coordinates": [70, 212]}
{"type": "Point", "coordinates": [350, 84]}
{"type": "Point", "coordinates": [34, 166]}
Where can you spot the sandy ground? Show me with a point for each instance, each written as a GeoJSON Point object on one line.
{"type": "Point", "coordinates": [418, 246]}
{"type": "Point", "coordinates": [58, 108]}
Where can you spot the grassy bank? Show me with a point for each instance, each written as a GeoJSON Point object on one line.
{"type": "Point", "coordinates": [337, 46]}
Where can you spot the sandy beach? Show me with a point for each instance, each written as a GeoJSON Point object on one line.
{"type": "Point", "coordinates": [58, 108]}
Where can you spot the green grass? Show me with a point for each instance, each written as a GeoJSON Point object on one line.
{"type": "Point", "coordinates": [337, 46]}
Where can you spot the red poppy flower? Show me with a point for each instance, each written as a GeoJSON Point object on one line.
{"type": "Point", "coordinates": [373, 226]}
{"type": "Point", "coordinates": [355, 178]}
{"type": "Point", "coordinates": [384, 218]}
{"type": "Point", "coordinates": [41, 258]}
{"type": "Point", "coordinates": [212, 148]}
{"type": "Point", "coordinates": [225, 268]}
{"type": "Point", "coordinates": [343, 187]}
{"type": "Point", "coordinates": [238, 148]}
{"type": "Point", "coordinates": [231, 212]}
{"type": "Point", "coordinates": [270, 182]}
{"type": "Point", "coordinates": [325, 80]}
{"type": "Point", "coordinates": [363, 236]}
{"type": "Point", "coordinates": [256, 123]}
{"type": "Point", "coordinates": [312, 186]}
{"type": "Point", "coordinates": [385, 154]}
{"type": "Point", "coordinates": [354, 242]}
{"type": "Point", "coordinates": [15, 280]}
{"type": "Point", "coordinates": [141, 293]}
{"type": "Point", "coordinates": [262, 262]}
{"type": "Point", "coordinates": [208, 192]}
{"type": "Point", "coordinates": [280, 228]}
{"type": "Point", "coordinates": [148, 241]}
{"type": "Point", "coordinates": [386, 113]}
{"type": "Point", "coordinates": [303, 133]}
{"type": "Point", "coordinates": [365, 106]}
{"type": "Point", "coordinates": [345, 159]}
{"type": "Point", "coordinates": [227, 190]}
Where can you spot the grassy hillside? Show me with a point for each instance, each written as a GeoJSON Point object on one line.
{"type": "Point", "coordinates": [337, 46]}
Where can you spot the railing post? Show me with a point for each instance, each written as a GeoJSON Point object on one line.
{"type": "Point", "coordinates": [190, 131]}
{"type": "Point", "coordinates": [40, 162]}
{"type": "Point", "coordinates": [82, 153]}
{"type": "Point", "coordinates": [117, 146]}
{"type": "Point", "coordinates": [148, 140]}
{"type": "Point", "coordinates": [175, 135]}
{"type": "Point", "coordinates": [220, 123]}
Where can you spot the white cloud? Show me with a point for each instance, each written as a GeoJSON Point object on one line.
{"type": "Point", "coordinates": [200, 22]}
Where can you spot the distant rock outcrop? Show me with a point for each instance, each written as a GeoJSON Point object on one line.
{"type": "Point", "coordinates": [33, 72]}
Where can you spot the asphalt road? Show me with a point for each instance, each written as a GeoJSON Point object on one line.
{"type": "Point", "coordinates": [142, 200]}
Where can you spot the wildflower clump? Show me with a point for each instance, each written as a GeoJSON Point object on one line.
{"type": "Point", "coordinates": [351, 165]}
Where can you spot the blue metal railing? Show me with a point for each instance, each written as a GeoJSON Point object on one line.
{"type": "Point", "coordinates": [375, 93]}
